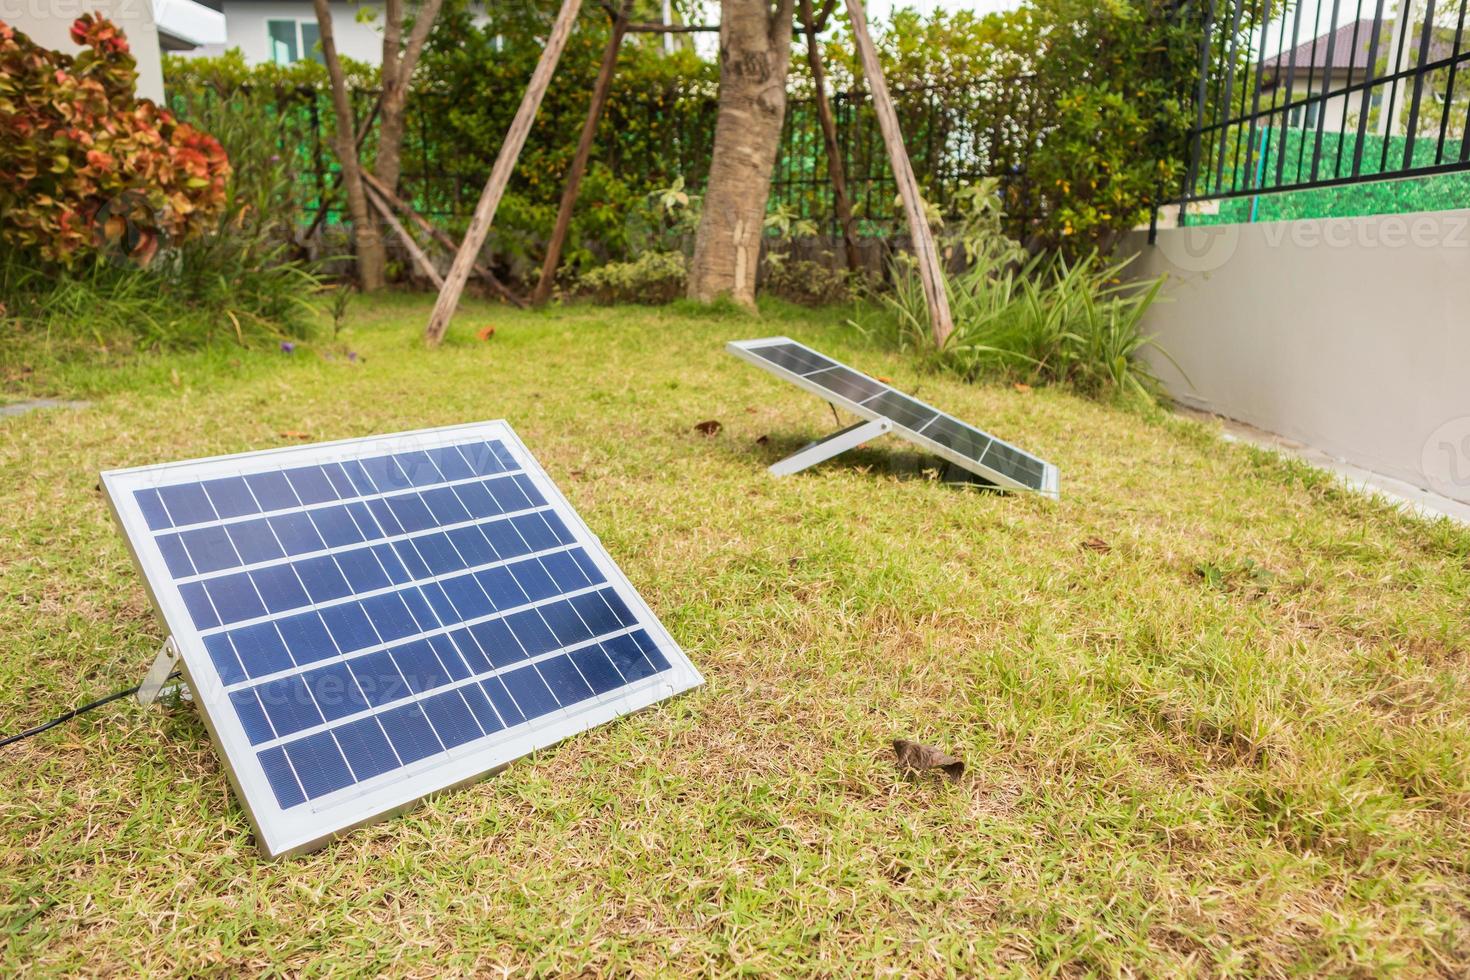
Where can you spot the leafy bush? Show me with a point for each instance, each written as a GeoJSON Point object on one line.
{"type": "Point", "coordinates": [85, 166]}
{"type": "Point", "coordinates": [1041, 320]}
{"type": "Point", "coordinates": [231, 278]}
{"type": "Point", "coordinates": [653, 278]}
{"type": "Point", "coordinates": [805, 282]}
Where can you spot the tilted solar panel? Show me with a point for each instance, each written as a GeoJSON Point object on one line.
{"type": "Point", "coordinates": [963, 445]}
{"type": "Point", "coordinates": [368, 621]}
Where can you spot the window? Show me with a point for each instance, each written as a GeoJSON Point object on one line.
{"type": "Point", "coordinates": [292, 40]}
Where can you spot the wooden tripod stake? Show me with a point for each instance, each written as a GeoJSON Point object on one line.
{"type": "Point", "coordinates": [505, 161]}
{"type": "Point", "coordinates": [930, 273]}
{"type": "Point", "coordinates": [600, 92]}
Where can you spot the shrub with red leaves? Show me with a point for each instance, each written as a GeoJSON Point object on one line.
{"type": "Point", "coordinates": [86, 167]}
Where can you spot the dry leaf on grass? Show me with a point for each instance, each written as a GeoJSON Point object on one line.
{"type": "Point", "coordinates": [1097, 544]}
{"type": "Point", "coordinates": [913, 755]}
{"type": "Point", "coordinates": [709, 427]}
{"type": "Point", "coordinates": [762, 440]}
{"type": "Point", "coordinates": [293, 434]}
{"type": "Point", "coordinates": [1022, 387]}
{"type": "Point", "coordinates": [485, 333]}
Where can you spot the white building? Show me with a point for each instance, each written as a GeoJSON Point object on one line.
{"type": "Point", "coordinates": [285, 31]}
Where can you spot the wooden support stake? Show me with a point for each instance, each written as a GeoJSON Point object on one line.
{"type": "Point", "coordinates": [835, 170]}
{"type": "Point", "coordinates": [579, 159]}
{"type": "Point", "coordinates": [930, 273]}
{"type": "Point", "coordinates": [419, 258]}
{"type": "Point", "coordinates": [505, 162]}
{"type": "Point", "coordinates": [442, 237]}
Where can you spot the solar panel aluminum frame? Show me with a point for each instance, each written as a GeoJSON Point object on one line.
{"type": "Point", "coordinates": [744, 349]}
{"type": "Point", "coordinates": [282, 833]}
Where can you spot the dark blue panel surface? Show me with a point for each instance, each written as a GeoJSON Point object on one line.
{"type": "Point", "coordinates": [306, 637]}
{"type": "Point", "coordinates": [289, 703]}
{"type": "Point", "coordinates": [279, 588]}
{"type": "Point", "coordinates": [336, 526]}
{"type": "Point", "coordinates": [283, 781]}
{"type": "Point", "coordinates": [174, 556]}
{"type": "Point", "coordinates": [151, 504]}
{"type": "Point", "coordinates": [187, 504]}
{"type": "Point", "coordinates": [596, 669]}
{"type": "Point", "coordinates": [272, 491]}
{"type": "Point", "coordinates": [349, 626]}
{"type": "Point", "coordinates": [209, 549]}
{"type": "Point", "coordinates": [367, 749]}
{"type": "Point", "coordinates": [452, 719]}
{"type": "Point", "coordinates": [319, 764]}
{"type": "Point", "coordinates": [335, 690]}
{"type": "Point", "coordinates": [529, 692]}
{"type": "Point", "coordinates": [628, 658]}
{"type": "Point", "coordinates": [231, 497]}
{"type": "Point", "coordinates": [260, 649]}
{"type": "Point", "coordinates": [565, 681]}
{"type": "Point", "coordinates": [410, 733]}
{"type": "Point", "coordinates": [362, 569]}
{"type": "Point", "coordinates": [252, 717]}
{"type": "Point", "coordinates": [222, 654]}
{"type": "Point", "coordinates": [254, 541]}
{"type": "Point", "coordinates": [311, 485]}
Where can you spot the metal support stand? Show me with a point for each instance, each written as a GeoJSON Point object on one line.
{"type": "Point", "coordinates": [157, 678]}
{"type": "Point", "coordinates": [825, 448]}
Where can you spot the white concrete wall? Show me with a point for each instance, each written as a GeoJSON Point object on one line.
{"type": "Point", "coordinates": [1351, 335]}
{"type": "Point", "coordinates": [48, 22]}
{"type": "Point", "coordinates": [245, 28]}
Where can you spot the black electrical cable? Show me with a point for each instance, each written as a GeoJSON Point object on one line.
{"type": "Point", "coordinates": [60, 719]}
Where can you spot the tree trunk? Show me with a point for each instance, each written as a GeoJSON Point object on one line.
{"type": "Point", "coordinates": [755, 53]}
{"type": "Point", "coordinates": [367, 242]}
{"type": "Point", "coordinates": [397, 82]}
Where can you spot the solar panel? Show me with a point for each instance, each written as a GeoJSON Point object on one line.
{"type": "Point", "coordinates": [888, 409]}
{"type": "Point", "coordinates": [365, 622]}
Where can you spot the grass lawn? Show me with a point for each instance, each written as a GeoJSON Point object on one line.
{"type": "Point", "coordinates": [1232, 736]}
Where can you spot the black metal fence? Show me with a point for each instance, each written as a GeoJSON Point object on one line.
{"type": "Point", "coordinates": [955, 135]}
{"type": "Point", "coordinates": [1320, 93]}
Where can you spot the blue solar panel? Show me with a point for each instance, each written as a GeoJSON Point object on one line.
{"type": "Point", "coordinates": [363, 626]}
{"type": "Point", "coordinates": [963, 445]}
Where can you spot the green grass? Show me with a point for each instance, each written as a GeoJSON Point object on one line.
{"type": "Point", "coordinates": [1231, 739]}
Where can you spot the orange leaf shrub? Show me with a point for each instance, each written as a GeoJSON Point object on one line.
{"type": "Point", "coordinates": [86, 167]}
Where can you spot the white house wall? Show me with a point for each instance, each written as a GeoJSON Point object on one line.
{"type": "Point", "coordinates": [1350, 335]}
{"type": "Point", "coordinates": [245, 28]}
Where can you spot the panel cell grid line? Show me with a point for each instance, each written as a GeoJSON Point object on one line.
{"type": "Point", "coordinates": [993, 460]}
{"type": "Point", "coordinates": [368, 621]}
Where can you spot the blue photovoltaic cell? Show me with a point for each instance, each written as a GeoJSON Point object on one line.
{"type": "Point", "coordinates": [366, 614]}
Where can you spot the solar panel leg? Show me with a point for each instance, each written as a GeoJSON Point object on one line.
{"type": "Point", "coordinates": [825, 448]}
{"type": "Point", "coordinates": [158, 675]}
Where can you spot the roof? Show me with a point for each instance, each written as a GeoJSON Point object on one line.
{"type": "Point", "coordinates": [1311, 55]}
